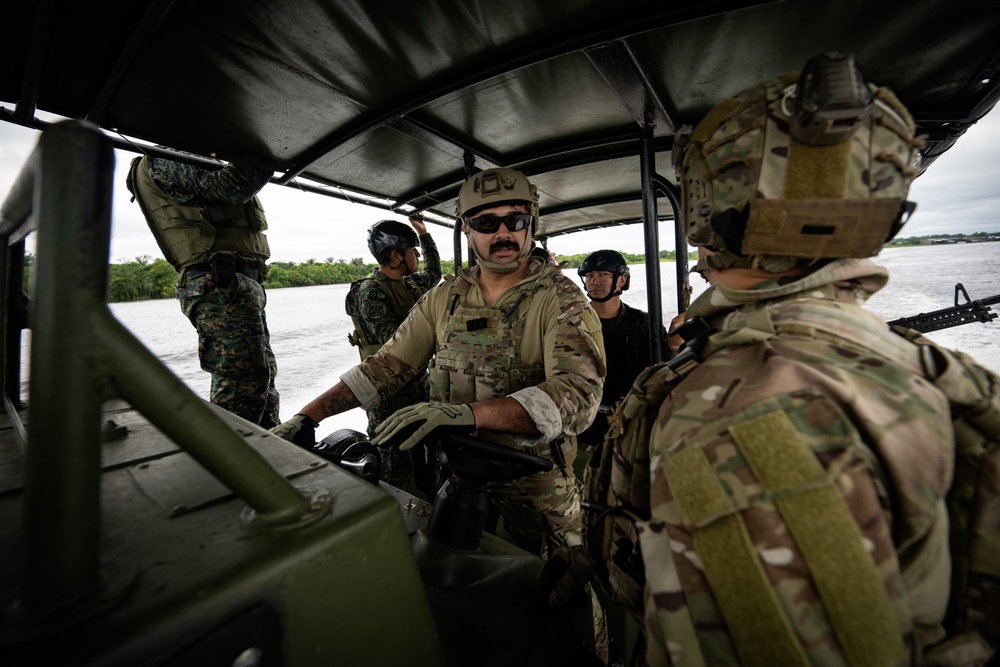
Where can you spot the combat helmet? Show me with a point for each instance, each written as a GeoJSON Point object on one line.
{"type": "Point", "coordinates": [387, 235]}
{"type": "Point", "coordinates": [493, 187]}
{"type": "Point", "coordinates": [605, 260]}
{"type": "Point", "coordinates": [798, 169]}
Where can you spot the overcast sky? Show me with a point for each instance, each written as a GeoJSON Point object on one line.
{"type": "Point", "coordinates": [958, 194]}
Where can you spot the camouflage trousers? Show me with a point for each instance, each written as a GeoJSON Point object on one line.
{"type": "Point", "coordinates": [234, 345]}
{"type": "Point", "coordinates": [541, 512]}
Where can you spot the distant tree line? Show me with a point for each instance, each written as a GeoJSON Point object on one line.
{"type": "Point", "coordinates": [573, 261]}
{"type": "Point", "coordinates": [147, 278]}
{"type": "Point", "coordinates": [924, 240]}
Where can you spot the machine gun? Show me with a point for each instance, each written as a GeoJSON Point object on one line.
{"type": "Point", "coordinates": [961, 313]}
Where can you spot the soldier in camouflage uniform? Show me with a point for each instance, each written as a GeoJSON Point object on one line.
{"type": "Point", "coordinates": [377, 305]}
{"type": "Point", "coordinates": [515, 356]}
{"type": "Point", "coordinates": [210, 226]}
{"type": "Point", "coordinates": [802, 485]}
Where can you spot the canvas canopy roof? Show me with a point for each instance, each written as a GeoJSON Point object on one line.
{"type": "Point", "coordinates": [396, 100]}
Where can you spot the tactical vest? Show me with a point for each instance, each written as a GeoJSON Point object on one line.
{"type": "Point", "coordinates": [401, 299]}
{"type": "Point", "coordinates": [477, 358]}
{"type": "Point", "coordinates": [619, 478]}
{"type": "Point", "coordinates": [478, 354]}
{"type": "Point", "coordinates": [190, 235]}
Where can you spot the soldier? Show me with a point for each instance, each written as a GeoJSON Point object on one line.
{"type": "Point", "coordinates": [377, 305]}
{"type": "Point", "coordinates": [516, 357]}
{"type": "Point", "coordinates": [210, 226]}
{"type": "Point", "coordinates": [781, 492]}
{"type": "Point", "coordinates": [605, 276]}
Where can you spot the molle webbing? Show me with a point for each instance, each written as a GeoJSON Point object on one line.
{"type": "Point", "coordinates": [821, 524]}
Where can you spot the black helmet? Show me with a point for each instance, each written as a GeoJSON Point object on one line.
{"type": "Point", "coordinates": [387, 235]}
{"type": "Point", "coordinates": [606, 260]}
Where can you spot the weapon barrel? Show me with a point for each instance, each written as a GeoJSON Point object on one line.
{"type": "Point", "coordinates": [974, 311]}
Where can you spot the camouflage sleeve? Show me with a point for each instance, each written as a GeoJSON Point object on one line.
{"type": "Point", "coordinates": [431, 275]}
{"type": "Point", "coordinates": [573, 352]}
{"type": "Point", "coordinates": [374, 315]}
{"type": "Point", "coordinates": [618, 476]}
{"type": "Point", "coordinates": [232, 184]}
{"type": "Point", "coordinates": [408, 349]}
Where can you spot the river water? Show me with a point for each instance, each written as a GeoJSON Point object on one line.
{"type": "Point", "coordinates": [309, 327]}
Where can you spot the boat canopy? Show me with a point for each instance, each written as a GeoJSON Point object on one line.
{"type": "Point", "coordinates": [394, 102]}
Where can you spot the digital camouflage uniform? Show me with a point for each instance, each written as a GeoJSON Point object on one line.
{"type": "Point", "coordinates": [790, 487]}
{"type": "Point", "coordinates": [233, 339]}
{"type": "Point", "coordinates": [378, 304]}
{"type": "Point", "coordinates": [541, 345]}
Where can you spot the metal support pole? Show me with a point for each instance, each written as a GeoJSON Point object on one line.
{"type": "Point", "coordinates": [81, 355]}
{"type": "Point", "coordinates": [647, 163]}
{"type": "Point", "coordinates": [669, 190]}
{"type": "Point", "coordinates": [15, 320]}
{"type": "Point", "coordinates": [72, 197]}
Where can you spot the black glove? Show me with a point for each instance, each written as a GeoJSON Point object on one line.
{"type": "Point", "coordinates": [565, 575]}
{"type": "Point", "coordinates": [300, 429]}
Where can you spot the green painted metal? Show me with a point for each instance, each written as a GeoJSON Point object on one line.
{"type": "Point", "coordinates": [94, 567]}
{"type": "Point", "coordinates": [80, 350]}
{"type": "Point", "coordinates": [62, 510]}
{"type": "Point", "coordinates": [345, 588]}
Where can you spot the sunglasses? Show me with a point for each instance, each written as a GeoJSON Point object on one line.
{"type": "Point", "coordinates": [489, 223]}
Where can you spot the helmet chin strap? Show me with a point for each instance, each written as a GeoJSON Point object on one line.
{"type": "Point", "coordinates": [612, 294]}
{"type": "Point", "coordinates": [401, 263]}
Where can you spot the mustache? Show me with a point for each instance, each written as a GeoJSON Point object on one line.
{"type": "Point", "coordinates": [504, 243]}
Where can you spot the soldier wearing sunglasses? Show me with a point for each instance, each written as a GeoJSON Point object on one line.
{"type": "Point", "coordinates": [515, 355]}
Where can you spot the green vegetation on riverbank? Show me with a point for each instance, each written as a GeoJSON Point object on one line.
{"type": "Point", "coordinates": [149, 278]}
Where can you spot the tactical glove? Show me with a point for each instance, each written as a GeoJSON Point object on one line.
{"type": "Point", "coordinates": [411, 424]}
{"type": "Point", "coordinates": [300, 429]}
{"type": "Point", "coordinates": [566, 575]}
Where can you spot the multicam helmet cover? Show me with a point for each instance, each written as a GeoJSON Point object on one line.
{"type": "Point", "coordinates": [798, 168]}
{"type": "Point", "coordinates": [494, 187]}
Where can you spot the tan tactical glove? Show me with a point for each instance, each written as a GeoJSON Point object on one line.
{"type": "Point", "coordinates": [565, 575]}
{"type": "Point", "coordinates": [411, 424]}
{"type": "Point", "coordinates": [300, 430]}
